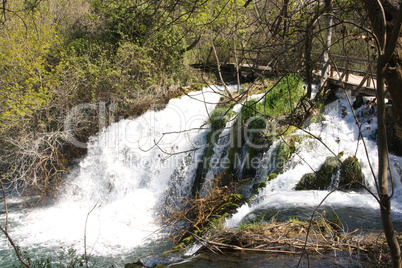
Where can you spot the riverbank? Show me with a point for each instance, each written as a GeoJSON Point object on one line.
{"type": "Point", "coordinates": [293, 243]}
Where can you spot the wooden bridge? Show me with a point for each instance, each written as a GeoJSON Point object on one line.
{"type": "Point", "coordinates": [343, 73]}
{"type": "Point", "coordinates": [355, 74]}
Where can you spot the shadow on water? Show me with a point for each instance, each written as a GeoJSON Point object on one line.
{"type": "Point", "coordinates": [352, 218]}
{"type": "Point", "coordinates": [260, 260]}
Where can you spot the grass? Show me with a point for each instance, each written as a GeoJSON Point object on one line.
{"type": "Point", "coordinates": [279, 100]}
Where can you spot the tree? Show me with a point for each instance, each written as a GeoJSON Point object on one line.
{"type": "Point", "coordinates": [386, 24]}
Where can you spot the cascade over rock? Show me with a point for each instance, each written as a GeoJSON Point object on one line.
{"type": "Point", "coordinates": [333, 174]}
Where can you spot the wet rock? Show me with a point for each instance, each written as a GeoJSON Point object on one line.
{"type": "Point", "coordinates": [322, 179]}
{"type": "Point", "coordinates": [137, 264]}
{"type": "Point", "coordinates": [351, 175]}
{"type": "Point", "coordinates": [358, 102]}
{"type": "Point", "coordinates": [307, 182]}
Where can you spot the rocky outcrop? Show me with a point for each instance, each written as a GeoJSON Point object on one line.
{"type": "Point", "coordinates": [333, 174]}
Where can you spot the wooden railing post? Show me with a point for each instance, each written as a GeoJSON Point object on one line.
{"type": "Point", "coordinates": [369, 74]}
{"type": "Point", "coordinates": [332, 61]}
{"type": "Point", "coordinates": [347, 70]}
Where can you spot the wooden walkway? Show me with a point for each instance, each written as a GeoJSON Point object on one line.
{"type": "Point", "coordinates": [356, 83]}
{"type": "Point", "coordinates": [345, 72]}
{"type": "Point", "coordinates": [361, 83]}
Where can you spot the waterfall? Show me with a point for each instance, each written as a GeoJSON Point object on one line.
{"type": "Point", "coordinates": [219, 158]}
{"type": "Point", "coordinates": [339, 132]}
{"type": "Point", "coordinates": [138, 168]}
{"type": "Point", "coordinates": [133, 168]}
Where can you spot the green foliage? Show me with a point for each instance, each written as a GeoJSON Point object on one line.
{"type": "Point", "coordinates": [27, 85]}
{"type": "Point", "coordinates": [256, 225]}
{"type": "Point", "coordinates": [294, 220]}
{"type": "Point", "coordinates": [284, 96]}
{"type": "Point", "coordinates": [219, 117]}
{"type": "Point", "coordinates": [98, 53]}
{"type": "Point", "coordinates": [279, 100]}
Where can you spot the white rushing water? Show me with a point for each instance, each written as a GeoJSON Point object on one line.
{"type": "Point", "coordinates": [131, 168]}
{"type": "Point", "coordinates": [340, 133]}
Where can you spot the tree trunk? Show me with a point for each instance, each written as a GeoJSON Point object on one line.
{"type": "Point", "coordinates": [308, 61]}
{"type": "Point", "coordinates": [308, 46]}
{"type": "Point", "coordinates": [393, 71]}
{"type": "Point", "coordinates": [393, 77]}
{"type": "Point", "coordinates": [383, 191]}
{"type": "Point", "coordinates": [386, 23]}
{"type": "Point", "coordinates": [325, 58]}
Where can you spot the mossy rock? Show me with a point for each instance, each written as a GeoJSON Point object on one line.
{"type": "Point", "coordinates": [284, 152]}
{"type": "Point", "coordinates": [320, 180]}
{"type": "Point", "coordinates": [335, 223]}
{"type": "Point", "coordinates": [307, 182]}
{"type": "Point", "coordinates": [272, 176]}
{"type": "Point", "coordinates": [351, 174]}
{"type": "Point", "coordinates": [137, 264]}
{"type": "Point", "coordinates": [235, 198]}
{"type": "Point", "coordinates": [290, 130]}
{"type": "Point", "coordinates": [231, 203]}
{"type": "Point", "coordinates": [315, 117]}
{"type": "Point", "coordinates": [258, 186]}
{"type": "Point", "coordinates": [330, 166]}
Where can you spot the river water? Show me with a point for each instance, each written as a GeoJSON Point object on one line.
{"type": "Point", "coordinates": [111, 201]}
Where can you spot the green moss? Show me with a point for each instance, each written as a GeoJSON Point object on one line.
{"type": "Point", "coordinates": [224, 211]}
{"type": "Point", "coordinates": [294, 220]}
{"type": "Point", "coordinates": [307, 182]}
{"type": "Point", "coordinates": [315, 117]}
{"type": "Point", "coordinates": [231, 203]}
{"type": "Point", "coordinates": [326, 171]}
{"type": "Point", "coordinates": [187, 240]}
{"type": "Point", "coordinates": [284, 152]}
{"type": "Point", "coordinates": [235, 198]}
{"type": "Point", "coordinates": [180, 247]}
{"type": "Point", "coordinates": [290, 130]}
{"type": "Point", "coordinates": [258, 186]}
{"type": "Point", "coordinates": [351, 173]}
{"type": "Point", "coordinates": [236, 142]}
{"type": "Point", "coordinates": [320, 180]}
{"type": "Point", "coordinates": [272, 176]}
{"type": "Point", "coordinates": [219, 117]}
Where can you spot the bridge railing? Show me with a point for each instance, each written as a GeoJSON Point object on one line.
{"type": "Point", "coordinates": [342, 67]}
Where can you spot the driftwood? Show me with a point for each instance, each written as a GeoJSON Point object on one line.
{"type": "Point", "coordinates": [289, 238]}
